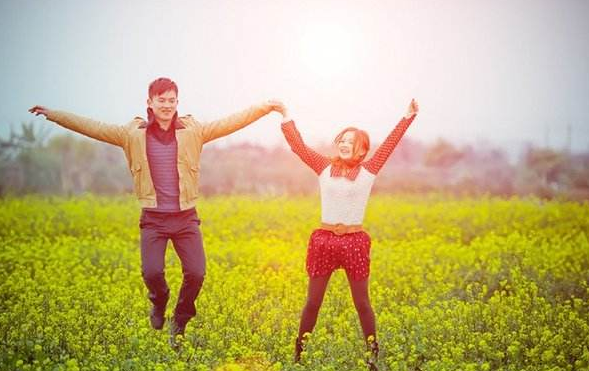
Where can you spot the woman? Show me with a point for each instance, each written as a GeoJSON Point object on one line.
{"type": "Point", "coordinates": [345, 182]}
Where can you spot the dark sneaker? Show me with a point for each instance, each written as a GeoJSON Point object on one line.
{"type": "Point", "coordinates": [157, 317]}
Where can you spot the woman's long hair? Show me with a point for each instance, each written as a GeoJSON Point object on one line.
{"type": "Point", "coordinates": [359, 150]}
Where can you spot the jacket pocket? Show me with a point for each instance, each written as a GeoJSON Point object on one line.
{"type": "Point", "coordinates": [192, 181]}
{"type": "Point", "coordinates": [136, 172]}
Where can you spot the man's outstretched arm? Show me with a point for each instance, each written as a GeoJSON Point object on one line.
{"type": "Point", "coordinates": [113, 134]}
{"type": "Point", "coordinates": [219, 128]}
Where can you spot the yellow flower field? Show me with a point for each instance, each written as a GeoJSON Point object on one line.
{"type": "Point", "coordinates": [456, 284]}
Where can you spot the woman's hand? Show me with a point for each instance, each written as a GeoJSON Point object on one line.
{"type": "Point", "coordinates": [413, 109]}
{"type": "Point", "coordinates": [279, 107]}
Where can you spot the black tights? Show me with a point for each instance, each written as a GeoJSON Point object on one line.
{"type": "Point", "coordinates": [316, 291]}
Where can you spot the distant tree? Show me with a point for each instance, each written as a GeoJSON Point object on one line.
{"type": "Point", "coordinates": [24, 163]}
{"type": "Point", "coordinates": [579, 177]}
{"type": "Point", "coordinates": [542, 172]}
{"type": "Point", "coordinates": [88, 166]}
{"type": "Point", "coordinates": [546, 163]}
{"type": "Point", "coordinates": [442, 154]}
{"type": "Point", "coordinates": [31, 162]}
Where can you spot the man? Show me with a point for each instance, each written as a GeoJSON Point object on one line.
{"type": "Point", "coordinates": [163, 155]}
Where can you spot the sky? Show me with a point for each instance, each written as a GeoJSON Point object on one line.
{"type": "Point", "coordinates": [503, 73]}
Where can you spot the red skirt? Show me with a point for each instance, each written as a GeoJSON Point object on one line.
{"type": "Point", "coordinates": [327, 252]}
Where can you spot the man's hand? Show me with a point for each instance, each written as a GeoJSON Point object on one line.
{"type": "Point", "coordinates": [413, 109]}
{"type": "Point", "coordinates": [39, 110]}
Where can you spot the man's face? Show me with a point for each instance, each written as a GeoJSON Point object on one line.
{"type": "Point", "coordinates": [164, 105]}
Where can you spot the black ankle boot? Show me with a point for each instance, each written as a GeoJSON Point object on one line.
{"type": "Point", "coordinates": [176, 333]}
{"type": "Point", "coordinates": [299, 347]}
{"type": "Point", "coordinates": [372, 347]}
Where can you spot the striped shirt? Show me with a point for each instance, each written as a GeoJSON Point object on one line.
{"type": "Point", "coordinates": [162, 156]}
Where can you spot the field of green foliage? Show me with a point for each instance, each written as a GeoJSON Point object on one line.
{"type": "Point", "coordinates": [469, 284]}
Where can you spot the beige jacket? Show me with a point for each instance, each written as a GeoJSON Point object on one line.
{"type": "Point", "coordinates": [190, 135]}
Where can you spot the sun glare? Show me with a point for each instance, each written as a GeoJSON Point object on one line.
{"type": "Point", "coordinates": [330, 50]}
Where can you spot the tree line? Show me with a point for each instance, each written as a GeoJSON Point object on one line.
{"type": "Point", "coordinates": [32, 161]}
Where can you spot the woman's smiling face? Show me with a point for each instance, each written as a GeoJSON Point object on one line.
{"type": "Point", "coordinates": [345, 146]}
